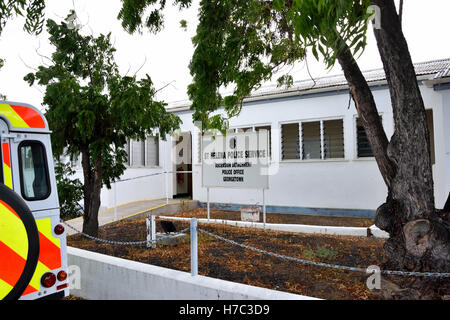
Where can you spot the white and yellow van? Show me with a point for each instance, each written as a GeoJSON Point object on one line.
{"type": "Point", "coordinates": [33, 253]}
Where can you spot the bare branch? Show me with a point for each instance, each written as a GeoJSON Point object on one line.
{"type": "Point", "coordinates": [165, 86]}
{"type": "Point", "coordinates": [43, 56]}
{"type": "Point", "coordinates": [309, 72]}
{"type": "Point", "coordinates": [26, 65]}
{"type": "Point", "coordinates": [145, 61]}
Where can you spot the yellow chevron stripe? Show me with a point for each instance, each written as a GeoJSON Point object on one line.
{"type": "Point", "coordinates": [45, 227]}
{"type": "Point", "coordinates": [13, 233]}
{"type": "Point", "coordinates": [7, 176]}
{"type": "Point", "coordinates": [12, 116]}
{"type": "Point", "coordinates": [5, 288]}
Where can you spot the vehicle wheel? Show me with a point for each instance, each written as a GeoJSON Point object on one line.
{"type": "Point", "coordinates": [19, 244]}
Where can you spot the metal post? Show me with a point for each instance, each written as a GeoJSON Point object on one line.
{"type": "Point", "coordinates": [207, 201]}
{"type": "Point", "coordinates": [264, 207]}
{"type": "Point", "coordinates": [167, 187]}
{"type": "Point", "coordinates": [115, 201]}
{"type": "Point", "coordinates": [165, 171]}
{"type": "Point", "coordinates": [149, 230]}
{"type": "Point", "coordinates": [194, 248]}
{"type": "Point", "coordinates": [153, 223]}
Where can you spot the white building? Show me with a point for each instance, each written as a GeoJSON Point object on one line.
{"type": "Point", "coordinates": [320, 152]}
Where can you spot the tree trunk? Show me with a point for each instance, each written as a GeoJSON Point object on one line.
{"type": "Point", "coordinates": [92, 190]}
{"type": "Point", "coordinates": [419, 235]}
{"type": "Point", "coordinates": [367, 111]}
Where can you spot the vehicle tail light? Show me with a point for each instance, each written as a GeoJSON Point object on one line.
{"type": "Point", "coordinates": [62, 275]}
{"type": "Point", "coordinates": [48, 280]}
{"type": "Point", "coordinates": [62, 286]}
{"type": "Point", "coordinates": [59, 229]}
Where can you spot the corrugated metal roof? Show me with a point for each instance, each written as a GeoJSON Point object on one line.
{"type": "Point", "coordinates": [435, 69]}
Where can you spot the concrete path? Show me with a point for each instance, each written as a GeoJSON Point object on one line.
{"type": "Point", "coordinates": [123, 211]}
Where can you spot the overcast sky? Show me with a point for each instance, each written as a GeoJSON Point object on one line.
{"type": "Point", "coordinates": [165, 56]}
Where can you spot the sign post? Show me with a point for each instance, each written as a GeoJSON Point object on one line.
{"type": "Point", "coordinates": [194, 248]}
{"type": "Point", "coordinates": [207, 200]}
{"type": "Point", "coordinates": [237, 160]}
{"type": "Point", "coordinates": [264, 207]}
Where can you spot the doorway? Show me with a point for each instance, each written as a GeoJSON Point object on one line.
{"type": "Point", "coordinates": [182, 156]}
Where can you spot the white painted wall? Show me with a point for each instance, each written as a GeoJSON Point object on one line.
{"type": "Point", "coordinates": [350, 183]}
{"type": "Point", "coordinates": [444, 154]}
{"type": "Point", "coordinates": [148, 188]}
{"type": "Point", "coordinates": [105, 277]}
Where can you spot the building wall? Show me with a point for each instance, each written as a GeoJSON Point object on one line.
{"type": "Point", "coordinates": [442, 178]}
{"type": "Point", "coordinates": [348, 183]}
{"type": "Point", "coordinates": [151, 182]}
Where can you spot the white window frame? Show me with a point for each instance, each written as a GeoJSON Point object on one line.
{"type": "Point", "coordinates": [355, 138]}
{"type": "Point", "coordinates": [146, 160]}
{"type": "Point", "coordinates": [322, 154]}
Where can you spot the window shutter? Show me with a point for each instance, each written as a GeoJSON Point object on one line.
{"type": "Point", "coordinates": [311, 143]}
{"type": "Point", "coordinates": [290, 141]}
{"type": "Point", "coordinates": [199, 148]}
{"type": "Point", "coordinates": [152, 151]}
{"type": "Point", "coordinates": [268, 128]}
{"type": "Point", "coordinates": [364, 149]}
{"type": "Point", "coordinates": [127, 149]}
{"type": "Point", "coordinates": [138, 156]}
{"type": "Point", "coordinates": [333, 136]}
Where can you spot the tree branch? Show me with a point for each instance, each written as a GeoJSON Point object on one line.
{"type": "Point", "coordinates": [367, 111]}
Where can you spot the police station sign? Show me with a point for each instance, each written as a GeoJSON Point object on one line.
{"type": "Point", "coordinates": [237, 160]}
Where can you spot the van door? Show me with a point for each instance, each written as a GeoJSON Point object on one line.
{"type": "Point", "coordinates": [5, 156]}
{"type": "Point", "coordinates": [33, 172]}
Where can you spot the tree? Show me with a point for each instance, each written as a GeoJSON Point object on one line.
{"type": "Point", "coordinates": [32, 10]}
{"type": "Point", "coordinates": [133, 11]}
{"type": "Point", "coordinates": [2, 62]}
{"type": "Point", "coordinates": [93, 110]}
{"type": "Point", "coordinates": [239, 44]}
{"type": "Point", "coordinates": [70, 191]}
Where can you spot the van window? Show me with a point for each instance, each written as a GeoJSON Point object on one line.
{"type": "Point", "coordinates": [33, 171]}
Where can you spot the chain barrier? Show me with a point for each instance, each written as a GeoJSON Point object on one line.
{"type": "Point", "coordinates": [326, 265]}
{"type": "Point", "coordinates": [126, 243]}
{"type": "Point", "coordinates": [152, 175]}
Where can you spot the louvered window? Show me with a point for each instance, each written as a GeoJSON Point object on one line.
{"type": "Point", "coordinates": [138, 153]}
{"type": "Point", "coordinates": [152, 152]}
{"type": "Point", "coordinates": [364, 149]}
{"type": "Point", "coordinates": [333, 139]}
{"type": "Point", "coordinates": [269, 132]}
{"type": "Point", "coordinates": [290, 149]}
{"type": "Point", "coordinates": [311, 140]}
{"type": "Point", "coordinates": [143, 153]}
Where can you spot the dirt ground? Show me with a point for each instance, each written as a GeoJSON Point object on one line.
{"type": "Point", "coordinates": [222, 260]}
